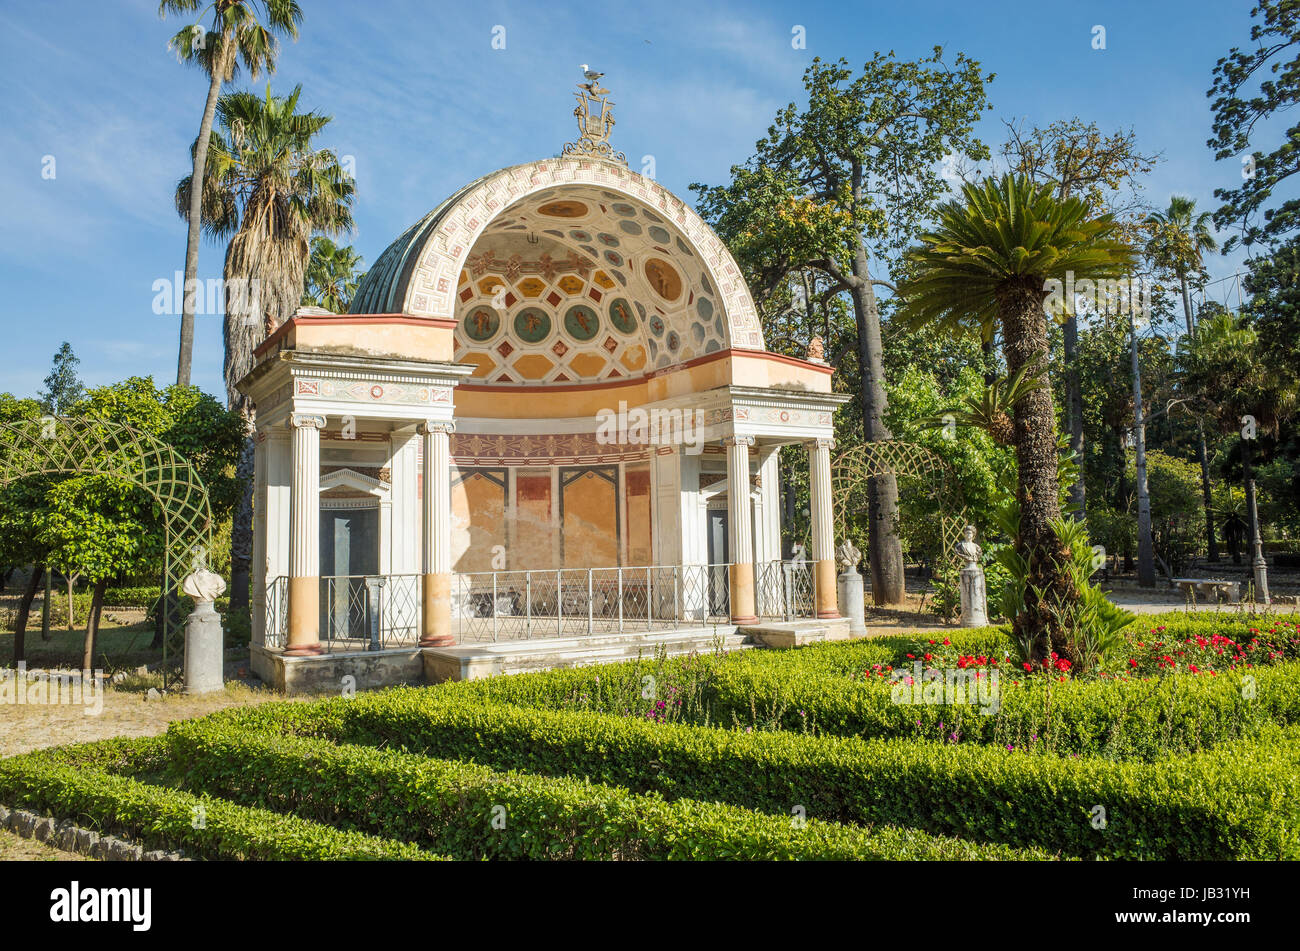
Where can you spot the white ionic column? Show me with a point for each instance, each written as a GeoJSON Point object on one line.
{"type": "Point", "coordinates": [740, 533]}
{"type": "Point", "coordinates": [823, 527]}
{"type": "Point", "coordinates": [436, 540]}
{"type": "Point", "coordinates": [304, 535]}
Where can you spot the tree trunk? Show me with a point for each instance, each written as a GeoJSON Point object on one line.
{"type": "Point", "coordinates": [1146, 548]}
{"type": "Point", "coordinates": [241, 530]}
{"type": "Point", "coordinates": [885, 551]}
{"type": "Point", "coordinates": [46, 634]}
{"type": "Point", "coordinates": [92, 625]}
{"type": "Point", "coordinates": [1074, 412]}
{"type": "Point", "coordinates": [195, 219]}
{"type": "Point", "coordinates": [1207, 495]}
{"type": "Point", "coordinates": [1024, 342]}
{"type": "Point", "coordinates": [990, 367]}
{"type": "Point", "coordinates": [24, 612]}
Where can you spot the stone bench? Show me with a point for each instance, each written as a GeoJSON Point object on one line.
{"type": "Point", "coordinates": [1216, 586]}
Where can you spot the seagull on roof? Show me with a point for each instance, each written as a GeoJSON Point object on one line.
{"type": "Point", "coordinates": [590, 74]}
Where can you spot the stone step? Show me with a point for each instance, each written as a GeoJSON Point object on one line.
{"type": "Point", "coordinates": [471, 662]}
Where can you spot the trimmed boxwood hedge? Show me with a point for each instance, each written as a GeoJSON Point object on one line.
{"type": "Point", "coordinates": [804, 691]}
{"type": "Point", "coordinates": [162, 818]}
{"type": "Point", "coordinates": [470, 812]}
{"type": "Point", "coordinates": [1240, 801]}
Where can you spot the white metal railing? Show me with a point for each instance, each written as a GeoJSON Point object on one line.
{"type": "Point", "coordinates": [513, 605]}
{"type": "Point", "coordinates": [783, 590]}
{"type": "Point", "coordinates": [359, 612]}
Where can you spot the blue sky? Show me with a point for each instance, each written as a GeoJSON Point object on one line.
{"type": "Point", "coordinates": [423, 103]}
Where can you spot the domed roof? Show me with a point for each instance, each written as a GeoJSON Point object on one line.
{"type": "Point", "coordinates": [567, 270]}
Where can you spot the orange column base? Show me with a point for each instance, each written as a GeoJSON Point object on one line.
{"type": "Point", "coordinates": [304, 617]}
{"type": "Point", "coordinates": [436, 630]}
{"type": "Point", "coordinates": [742, 594]}
{"type": "Point", "coordinates": [825, 587]}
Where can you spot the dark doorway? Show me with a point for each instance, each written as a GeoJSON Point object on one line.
{"type": "Point", "coordinates": [349, 549]}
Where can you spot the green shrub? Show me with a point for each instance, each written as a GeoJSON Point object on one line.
{"type": "Point", "coordinates": [1239, 801]}
{"type": "Point", "coordinates": [822, 690]}
{"type": "Point", "coordinates": [160, 818]}
{"type": "Point", "coordinates": [470, 812]}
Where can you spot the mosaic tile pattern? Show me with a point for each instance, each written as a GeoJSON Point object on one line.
{"type": "Point", "coordinates": [591, 227]}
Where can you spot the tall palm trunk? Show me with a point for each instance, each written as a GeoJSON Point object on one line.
{"type": "Point", "coordinates": [1074, 411]}
{"type": "Point", "coordinates": [1024, 341]}
{"type": "Point", "coordinates": [1146, 549]}
{"type": "Point", "coordinates": [883, 545]}
{"type": "Point", "coordinates": [1202, 455]}
{"type": "Point", "coordinates": [185, 358]}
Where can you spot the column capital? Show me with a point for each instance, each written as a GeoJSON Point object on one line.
{"type": "Point", "coordinates": [747, 441]}
{"type": "Point", "coordinates": [821, 442]}
{"type": "Point", "coordinates": [435, 426]}
{"type": "Point", "coordinates": [307, 420]}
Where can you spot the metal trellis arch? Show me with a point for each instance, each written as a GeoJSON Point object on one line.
{"type": "Point", "coordinates": [852, 468]}
{"type": "Point", "coordinates": [60, 445]}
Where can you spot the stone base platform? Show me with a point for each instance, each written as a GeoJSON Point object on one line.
{"type": "Point", "coordinates": [330, 673]}
{"type": "Point", "coordinates": [783, 634]}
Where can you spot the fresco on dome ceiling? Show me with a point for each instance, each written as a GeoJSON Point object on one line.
{"type": "Point", "coordinates": [621, 316]}
{"type": "Point", "coordinates": [663, 279]}
{"type": "Point", "coordinates": [532, 325]}
{"type": "Point", "coordinates": [482, 324]}
{"type": "Point", "coordinates": [581, 322]}
{"type": "Point", "coordinates": [566, 208]}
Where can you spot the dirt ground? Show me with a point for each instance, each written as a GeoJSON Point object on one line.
{"type": "Point", "coordinates": [125, 713]}
{"type": "Point", "coordinates": [14, 848]}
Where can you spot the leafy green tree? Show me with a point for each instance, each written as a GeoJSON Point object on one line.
{"type": "Point", "coordinates": [18, 544]}
{"type": "Point", "coordinates": [235, 32]}
{"type": "Point", "coordinates": [1226, 376]}
{"type": "Point", "coordinates": [840, 187]}
{"type": "Point", "coordinates": [267, 187]}
{"type": "Point", "coordinates": [1250, 88]}
{"type": "Point", "coordinates": [989, 258]}
{"type": "Point", "coordinates": [101, 527]}
{"type": "Point", "coordinates": [63, 387]}
{"type": "Point", "coordinates": [1179, 240]}
{"type": "Point", "coordinates": [1177, 512]}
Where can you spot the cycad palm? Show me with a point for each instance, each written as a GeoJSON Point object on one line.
{"type": "Point", "coordinates": [235, 33]}
{"type": "Point", "coordinates": [988, 262]}
{"type": "Point", "coordinates": [269, 188]}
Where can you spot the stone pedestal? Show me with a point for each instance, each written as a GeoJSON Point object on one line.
{"type": "Point", "coordinates": [974, 607]}
{"type": "Point", "coordinates": [203, 650]}
{"type": "Point", "coordinates": [852, 601]}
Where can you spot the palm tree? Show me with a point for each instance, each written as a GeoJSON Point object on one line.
{"type": "Point", "coordinates": [333, 275]}
{"type": "Point", "coordinates": [235, 33]}
{"type": "Point", "coordinates": [267, 188]}
{"type": "Point", "coordinates": [989, 259]}
{"type": "Point", "coordinates": [1179, 239]}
